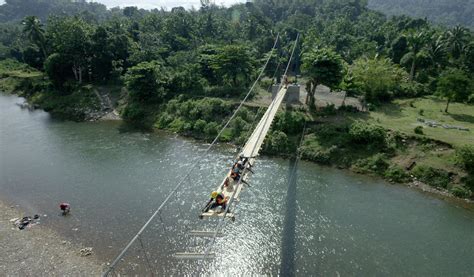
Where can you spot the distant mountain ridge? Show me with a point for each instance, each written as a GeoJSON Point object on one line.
{"type": "Point", "coordinates": [16, 10]}
{"type": "Point", "coordinates": [445, 12]}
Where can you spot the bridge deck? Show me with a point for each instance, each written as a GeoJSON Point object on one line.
{"type": "Point", "coordinates": [250, 150]}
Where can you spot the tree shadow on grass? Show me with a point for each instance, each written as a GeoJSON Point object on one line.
{"type": "Point", "coordinates": [390, 109]}
{"type": "Point", "coordinates": [462, 117]}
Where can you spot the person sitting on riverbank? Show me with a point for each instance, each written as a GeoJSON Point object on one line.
{"type": "Point", "coordinates": [65, 208]}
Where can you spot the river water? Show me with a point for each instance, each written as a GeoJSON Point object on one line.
{"type": "Point", "coordinates": [325, 222]}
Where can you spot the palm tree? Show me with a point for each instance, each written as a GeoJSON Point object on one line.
{"type": "Point", "coordinates": [35, 33]}
{"type": "Point", "coordinates": [456, 40]}
{"type": "Point", "coordinates": [436, 49]}
{"type": "Point", "coordinates": [416, 42]}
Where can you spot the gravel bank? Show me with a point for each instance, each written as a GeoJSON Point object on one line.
{"type": "Point", "coordinates": [38, 251]}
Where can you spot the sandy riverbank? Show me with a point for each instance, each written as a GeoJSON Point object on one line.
{"type": "Point", "coordinates": [39, 251]}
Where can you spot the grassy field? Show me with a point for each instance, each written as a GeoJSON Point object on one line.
{"type": "Point", "coordinates": [403, 116]}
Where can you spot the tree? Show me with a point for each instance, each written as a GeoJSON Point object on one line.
{"type": "Point", "coordinates": [454, 85]}
{"type": "Point", "coordinates": [399, 48]}
{"type": "Point", "coordinates": [56, 68]}
{"type": "Point", "coordinates": [415, 42]}
{"type": "Point", "coordinates": [233, 65]}
{"type": "Point", "coordinates": [456, 39]}
{"type": "Point", "coordinates": [323, 66]}
{"type": "Point", "coordinates": [146, 81]}
{"type": "Point", "coordinates": [71, 37]}
{"type": "Point", "coordinates": [436, 49]}
{"type": "Point", "coordinates": [34, 31]}
{"type": "Point", "coordinates": [377, 78]}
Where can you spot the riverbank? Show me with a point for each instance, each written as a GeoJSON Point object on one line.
{"type": "Point", "coordinates": [36, 250]}
{"type": "Point", "coordinates": [393, 142]}
{"type": "Point", "coordinates": [81, 102]}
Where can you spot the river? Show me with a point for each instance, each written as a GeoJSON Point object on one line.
{"type": "Point", "coordinates": [324, 222]}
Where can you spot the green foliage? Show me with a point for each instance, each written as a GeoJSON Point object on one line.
{"type": "Point", "coordinates": [418, 130]}
{"type": "Point", "coordinates": [211, 129]}
{"type": "Point", "coordinates": [290, 122]}
{"type": "Point", "coordinates": [73, 106]}
{"type": "Point", "coordinates": [432, 176]}
{"type": "Point", "coordinates": [70, 37]}
{"type": "Point", "coordinates": [362, 132]}
{"type": "Point", "coordinates": [233, 64]}
{"type": "Point", "coordinates": [454, 85]}
{"type": "Point", "coordinates": [56, 69]}
{"type": "Point", "coordinates": [327, 110]}
{"type": "Point", "coordinates": [465, 157]}
{"type": "Point", "coordinates": [11, 66]}
{"type": "Point", "coordinates": [377, 78]}
{"type": "Point", "coordinates": [396, 174]}
{"type": "Point", "coordinates": [33, 29]}
{"type": "Point", "coordinates": [377, 164]}
{"type": "Point", "coordinates": [277, 143]}
{"type": "Point", "coordinates": [469, 182]}
{"type": "Point", "coordinates": [459, 191]}
{"type": "Point", "coordinates": [146, 81]}
{"type": "Point", "coordinates": [202, 118]}
{"type": "Point", "coordinates": [134, 113]}
{"type": "Point", "coordinates": [200, 125]}
{"type": "Point", "coordinates": [16, 10]}
{"type": "Point", "coordinates": [323, 66]}
{"type": "Point", "coordinates": [450, 12]}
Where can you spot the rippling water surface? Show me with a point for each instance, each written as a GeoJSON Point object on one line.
{"type": "Point", "coordinates": [325, 222]}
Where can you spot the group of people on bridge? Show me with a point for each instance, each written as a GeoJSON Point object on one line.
{"type": "Point", "coordinates": [218, 199]}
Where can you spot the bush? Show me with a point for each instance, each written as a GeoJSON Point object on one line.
{"type": "Point", "coordinates": [377, 164]}
{"type": "Point", "coordinates": [364, 133]}
{"type": "Point", "coordinates": [289, 122]}
{"type": "Point", "coordinates": [328, 110]}
{"type": "Point", "coordinates": [469, 181]}
{"type": "Point", "coordinates": [396, 174]}
{"type": "Point", "coordinates": [276, 143]}
{"type": "Point", "coordinates": [465, 157]}
{"type": "Point", "coordinates": [211, 129]}
{"type": "Point", "coordinates": [311, 150]}
{"type": "Point", "coordinates": [459, 191]}
{"type": "Point", "coordinates": [238, 125]}
{"type": "Point", "coordinates": [266, 83]}
{"type": "Point", "coordinates": [418, 130]}
{"type": "Point", "coordinates": [145, 81]}
{"type": "Point", "coordinates": [200, 125]}
{"type": "Point", "coordinates": [432, 176]}
{"type": "Point", "coordinates": [177, 125]}
{"type": "Point", "coordinates": [377, 78]}
{"type": "Point", "coordinates": [164, 120]}
{"type": "Point", "coordinates": [134, 113]}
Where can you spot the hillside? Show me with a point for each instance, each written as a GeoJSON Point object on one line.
{"type": "Point", "coordinates": [446, 12]}
{"type": "Point", "coordinates": [16, 10]}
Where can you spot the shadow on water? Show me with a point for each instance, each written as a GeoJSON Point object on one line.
{"type": "Point", "coordinates": [134, 128]}
{"type": "Point", "coordinates": [288, 247]}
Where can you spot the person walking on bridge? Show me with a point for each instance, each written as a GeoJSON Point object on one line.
{"type": "Point", "coordinates": [219, 200]}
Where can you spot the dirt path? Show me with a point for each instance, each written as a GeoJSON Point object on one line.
{"type": "Point", "coordinates": [37, 251]}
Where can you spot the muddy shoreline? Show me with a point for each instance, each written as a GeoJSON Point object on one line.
{"type": "Point", "coordinates": [38, 250]}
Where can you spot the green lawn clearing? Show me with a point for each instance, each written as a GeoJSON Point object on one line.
{"type": "Point", "coordinates": [404, 115]}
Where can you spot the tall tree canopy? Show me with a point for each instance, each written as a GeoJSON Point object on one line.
{"type": "Point", "coordinates": [322, 66]}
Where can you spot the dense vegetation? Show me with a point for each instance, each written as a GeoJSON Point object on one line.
{"type": "Point", "coordinates": [447, 12]}
{"type": "Point", "coordinates": [185, 71]}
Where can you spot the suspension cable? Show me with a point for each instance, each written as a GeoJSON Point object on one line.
{"type": "Point", "coordinates": [181, 182]}
{"type": "Point", "coordinates": [222, 220]}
